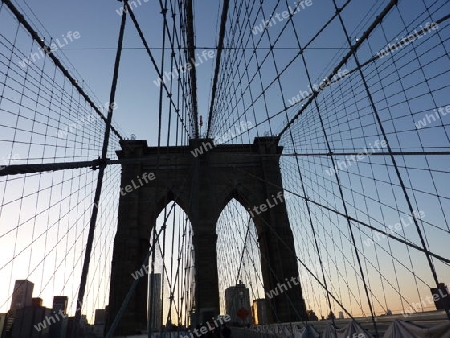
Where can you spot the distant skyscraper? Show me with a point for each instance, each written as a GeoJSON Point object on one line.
{"type": "Point", "coordinates": [60, 303]}
{"type": "Point", "coordinates": [8, 325]}
{"type": "Point", "coordinates": [82, 328]}
{"type": "Point", "coordinates": [154, 302]}
{"type": "Point", "coordinates": [441, 296]}
{"type": "Point", "coordinates": [58, 329]}
{"type": "Point", "coordinates": [100, 322]}
{"type": "Point", "coordinates": [237, 304]}
{"type": "Point", "coordinates": [341, 315]}
{"type": "Point", "coordinates": [33, 321]}
{"type": "Point", "coordinates": [37, 301]}
{"type": "Point", "coordinates": [260, 312]}
{"type": "Point", "coordinates": [312, 315]}
{"type": "Point", "coordinates": [3, 318]}
{"type": "Point", "coordinates": [100, 317]}
{"type": "Point", "coordinates": [22, 295]}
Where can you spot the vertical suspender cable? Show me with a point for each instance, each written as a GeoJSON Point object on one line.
{"type": "Point", "coordinates": [223, 21]}
{"type": "Point", "coordinates": [191, 56]}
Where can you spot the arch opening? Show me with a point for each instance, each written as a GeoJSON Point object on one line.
{"type": "Point", "coordinates": [238, 262]}
{"type": "Point", "coordinates": [171, 290]}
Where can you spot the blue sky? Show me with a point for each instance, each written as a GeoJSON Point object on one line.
{"type": "Point", "coordinates": [92, 55]}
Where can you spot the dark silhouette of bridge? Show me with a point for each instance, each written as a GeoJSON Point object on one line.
{"type": "Point", "coordinates": [202, 186]}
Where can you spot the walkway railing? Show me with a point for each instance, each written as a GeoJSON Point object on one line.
{"type": "Point", "coordinates": [247, 333]}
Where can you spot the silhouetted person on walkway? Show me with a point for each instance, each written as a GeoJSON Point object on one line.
{"type": "Point", "coordinates": [214, 332]}
{"type": "Point", "coordinates": [226, 332]}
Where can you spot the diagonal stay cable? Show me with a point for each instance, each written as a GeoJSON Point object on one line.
{"type": "Point", "coordinates": [152, 58]}
{"type": "Point", "coordinates": [101, 173]}
{"type": "Point", "coordinates": [408, 243]}
{"type": "Point", "coordinates": [342, 214]}
{"type": "Point", "coordinates": [394, 162]}
{"type": "Point", "coordinates": [344, 60]}
{"type": "Point", "coordinates": [297, 258]}
{"type": "Point", "coordinates": [58, 63]}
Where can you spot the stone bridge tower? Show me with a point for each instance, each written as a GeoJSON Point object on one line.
{"type": "Point", "coordinates": [202, 186]}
